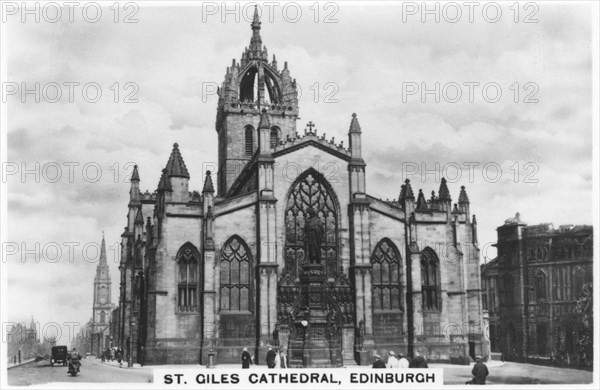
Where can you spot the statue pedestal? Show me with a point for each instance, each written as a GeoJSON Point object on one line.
{"type": "Point", "coordinates": [312, 328]}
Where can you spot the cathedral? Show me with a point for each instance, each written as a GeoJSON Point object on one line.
{"type": "Point", "coordinates": [213, 271]}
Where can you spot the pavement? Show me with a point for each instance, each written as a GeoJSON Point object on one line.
{"type": "Point", "coordinates": [95, 371]}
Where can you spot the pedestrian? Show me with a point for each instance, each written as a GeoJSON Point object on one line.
{"type": "Point", "coordinates": [120, 357]}
{"type": "Point", "coordinates": [142, 358]}
{"type": "Point", "coordinates": [392, 361]}
{"type": "Point", "coordinates": [246, 358]}
{"type": "Point", "coordinates": [378, 362]}
{"type": "Point", "coordinates": [283, 359]}
{"type": "Point", "coordinates": [277, 359]}
{"type": "Point", "coordinates": [402, 361]}
{"type": "Point", "coordinates": [419, 361]}
{"type": "Point", "coordinates": [271, 358]}
{"type": "Point", "coordinates": [480, 372]}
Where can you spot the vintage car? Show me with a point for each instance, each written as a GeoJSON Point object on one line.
{"type": "Point", "coordinates": [60, 354]}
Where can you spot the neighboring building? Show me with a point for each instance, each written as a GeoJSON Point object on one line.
{"type": "Point", "coordinates": [21, 342]}
{"type": "Point", "coordinates": [531, 289]}
{"type": "Point", "coordinates": [102, 306]}
{"type": "Point", "coordinates": [202, 271]}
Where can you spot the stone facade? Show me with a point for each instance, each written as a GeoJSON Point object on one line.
{"type": "Point", "coordinates": [205, 271]}
{"type": "Point", "coordinates": [531, 290]}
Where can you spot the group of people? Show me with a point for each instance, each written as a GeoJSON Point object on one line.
{"type": "Point", "coordinates": [112, 354]}
{"type": "Point", "coordinates": [400, 361]}
{"type": "Point", "coordinates": [275, 358]}
{"type": "Point", "coordinates": [479, 371]}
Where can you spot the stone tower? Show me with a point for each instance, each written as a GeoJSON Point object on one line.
{"type": "Point", "coordinates": [251, 85]}
{"type": "Point", "coordinates": [102, 307]}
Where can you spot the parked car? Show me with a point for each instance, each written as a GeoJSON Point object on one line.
{"type": "Point", "coordinates": [60, 354]}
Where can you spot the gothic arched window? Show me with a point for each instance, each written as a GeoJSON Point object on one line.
{"type": "Point", "coordinates": [274, 136]}
{"type": "Point", "coordinates": [188, 260]}
{"type": "Point", "coordinates": [249, 140]}
{"type": "Point", "coordinates": [102, 317]}
{"type": "Point", "coordinates": [540, 285]}
{"type": "Point", "coordinates": [386, 276]}
{"type": "Point", "coordinates": [430, 283]}
{"type": "Point", "coordinates": [310, 190]}
{"type": "Point", "coordinates": [236, 267]}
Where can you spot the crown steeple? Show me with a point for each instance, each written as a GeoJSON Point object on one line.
{"type": "Point", "coordinates": [256, 40]}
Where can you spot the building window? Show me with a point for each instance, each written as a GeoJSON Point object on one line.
{"type": "Point", "coordinates": [274, 137]}
{"type": "Point", "coordinates": [102, 317]}
{"type": "Point", "coordinates": [492, 301]}
{"type": "Point", "coordinates": [430, 276]}
{"type": "Point", "coordinates": [235, 275]}
{"type": "Point", "coordinates": [540, 285]}
{"type": "Point", "coordinates": [249, 140]}
{"type": "Point", "coordinates": [310, 190]}
{"type": "Point", "coordinates": [188, 259]}
{"type": "Point", "coordinates": [386, 276]}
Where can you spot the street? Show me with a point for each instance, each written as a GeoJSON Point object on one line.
{"type": "Point", "coordinates": [92, 370]}
{"type": "Point", "coordinates": [518, 374]}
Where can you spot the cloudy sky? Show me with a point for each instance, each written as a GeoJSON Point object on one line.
{"type": "Point", "coordinates": [367, 59]}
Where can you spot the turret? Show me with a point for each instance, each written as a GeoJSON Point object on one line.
{"type": "Point", "coordinates": [354, 138]}
{"type": "Point", "coordinates": [357, 165]}
{"type": "Point", "coordinates": [178, 176]}
{"type": "Point", "coordinates": [444, 199]}
{"type": "Point", "coordinates": [134, 190]}
{"type": "Point", "coordinates": [463, 202]}
{"type": "Point", "coordinates": [407, 198]}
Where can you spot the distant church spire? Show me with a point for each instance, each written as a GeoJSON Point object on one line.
{"type": "Point", "coordinates": [103, 262]}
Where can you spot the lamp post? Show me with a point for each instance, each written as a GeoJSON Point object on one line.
{"type": "Point", "coordinates": [130, 362]}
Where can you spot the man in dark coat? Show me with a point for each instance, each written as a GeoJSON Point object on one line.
{"type": "Point", "coordinates": [378, 362]}
{"type": "Point", "coordinates": [271, 358]}
{"type": "Point", "coordinates": [246, 358]}
{"type": "Point", "coordinates": [480, 371]}
{"type": "Point", "coordinates": [419, 361]}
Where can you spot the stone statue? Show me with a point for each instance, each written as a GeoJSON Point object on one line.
{"type": "Point", "coordinates": [313, 236]}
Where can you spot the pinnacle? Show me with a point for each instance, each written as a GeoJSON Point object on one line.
{"type": "Point", "coordinates": [444, 194]}
{"type": "Point", "coordinates": [176, 166]}
{"type": "Point", "coordinates": [164, 184]}
{"type": "Point", "coordinates": [408, 190]}
{"type": "Point", "coordinates": [264, 120]}
{"type": "Point", "coordinates": [354, 125]}
{"type": "Point", "coordinates": [135, 176]}
{"type": "Point", "coordinates": [208, 184]}
{"type": "Point", "coordinates": [463, 198]}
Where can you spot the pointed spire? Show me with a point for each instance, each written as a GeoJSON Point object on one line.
{"type": "Point", "coordinates": [176, 166]}
{"type": "Point", "coordinates": [135, 176]}
{"type": "Point", "coordinates": [102, 262]}
{"type": "Point", "coordinates": [164, 184]}
{"type": "Point", "coordinates": [455, 209]}
{"type": "Point", "coordinates": [421, 202]}
{"type": "Point", "coordinates": [32, 324]}
{"type": "Point", "coordinates": [474, 220]}
{"type": "Point", "coordinates": [463, 198]}
{"type": "Point", "coordinates": [354, 126]}
{"type": "Point", "coordinates": [444, 194]}
{"type": "Point", "coordinates": [264, 120]}
{"type": "Point", "coordinates": [402, 193]}
{"type": "Point", "coordinates": [256, 40]}
{"type": "Point", "coordinates": [409, 192]}
{"type": "Point", "coordinates": [208, 184]}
